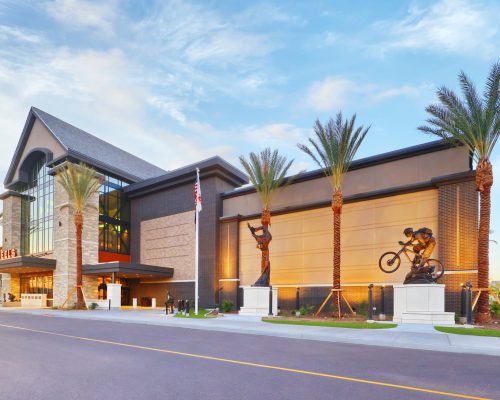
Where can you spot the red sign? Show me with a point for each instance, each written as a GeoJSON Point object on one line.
{"type": "Point", "coordinates": [8, 253]}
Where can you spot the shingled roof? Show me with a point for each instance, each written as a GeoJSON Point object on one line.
{"type": "Point", "coordinates": [82, 146]}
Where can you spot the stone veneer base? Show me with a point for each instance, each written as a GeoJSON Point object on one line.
{"type": "Point", "coordinates": [421, 304]}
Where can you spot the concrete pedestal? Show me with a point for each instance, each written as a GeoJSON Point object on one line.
{"type": "Point", "coordinates": [115, 294]}
{"type": "Point", "coordinates": [256, 301]}
{"type": "Point", "coordinates": [421, 304]}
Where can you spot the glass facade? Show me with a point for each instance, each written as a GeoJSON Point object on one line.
{"type": "Point", "coordinates": [114, 217]}
{"type": "Point", "coordinates": [37, 210]}
{"type": "Point", "coordinates": [38, 283]}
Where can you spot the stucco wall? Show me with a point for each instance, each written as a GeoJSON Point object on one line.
{"type": "Point", "coordinates": [39, 137]}
{"type": "Point", "coordinates": [417, 169]}
{"type": "Point", "coordinates": [302, 250]}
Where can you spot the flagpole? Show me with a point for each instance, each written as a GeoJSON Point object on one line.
{"type": "Point", "coordinates": [196, 255]}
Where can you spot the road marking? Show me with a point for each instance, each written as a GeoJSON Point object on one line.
{"type": "Point", "coordinates": [251, 364]}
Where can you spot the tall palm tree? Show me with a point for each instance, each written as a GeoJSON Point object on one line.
{"type": "Point", "coordinates": [333, 149]}
{"type": "Point", "coordinates": [474, 123]}
{"type": "Point", "coordinates": [267, 172]}
{"type": "Point", "coordinates": [80, 183]}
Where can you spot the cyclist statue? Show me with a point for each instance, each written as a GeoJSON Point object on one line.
{"type": "Point", "coordinates": [263, 241]}
{"type": "Point", "coordinates": [423, 245]}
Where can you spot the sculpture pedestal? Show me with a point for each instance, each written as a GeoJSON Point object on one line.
{"type": "Point", "coordinates": [421, 304]}
{"type": "Point", "coordinates": [115, 294]}
{"type": "Point", "coordinates": [256, 301]}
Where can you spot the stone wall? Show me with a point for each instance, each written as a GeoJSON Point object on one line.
{"type": "Point", "coordinates": [65, 246]}
{"type": "Point", "coordinates": [11, 240]}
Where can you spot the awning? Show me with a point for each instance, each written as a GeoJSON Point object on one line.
{"type": "Point", "coordinates": [24, 264]}
{"type": "Point", "coordinates": [127, 270]}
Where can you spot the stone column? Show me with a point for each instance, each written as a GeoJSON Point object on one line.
{"type": "Point", "coordinates": [11, 238]}
{"type": "Point", "coordinates": [65, 246]}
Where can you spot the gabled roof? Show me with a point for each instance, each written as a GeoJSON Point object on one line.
{"type": "Point", "coordinates": [82, 146]}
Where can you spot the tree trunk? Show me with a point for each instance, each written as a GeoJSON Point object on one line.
{"type": "Point", "coordinates": [337, 201]}
{"type": "Point", "coordinates": [79, 280]}
{"type": "Point", "coordinates": [484, 181]}
{"type": "Point", "coordinates": [264, 260]}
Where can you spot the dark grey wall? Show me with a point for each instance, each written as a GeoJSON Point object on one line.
{"type": "Point", "coordinates": [180, 199]}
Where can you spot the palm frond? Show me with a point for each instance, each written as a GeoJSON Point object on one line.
{"type": "Point", "coordinates": [267, 172]}
{"type": "Point", "coordinates": [334, 146]}
{"type": "Point", "coordinates": [474, 121]}
{"type": "Point", "coordinates": [80, 182]}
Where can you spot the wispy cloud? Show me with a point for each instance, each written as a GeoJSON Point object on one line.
{"type": "Point", "coordinates": [11, 32]}
{"type": "Point", "coordinates": [450, 26]}
{"type": "Point", "coordinates": [83, 14]}
{"type": "Point", "coordinates": [335, 92]}
{"type": "Point", "coordinates": [330, 93]}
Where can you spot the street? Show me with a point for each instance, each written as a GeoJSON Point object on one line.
{"type": "Point", "coordinates": [59, 358]}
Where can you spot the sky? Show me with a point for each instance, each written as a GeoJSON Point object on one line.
{"type": "Point", "coordinates": [178, 81]}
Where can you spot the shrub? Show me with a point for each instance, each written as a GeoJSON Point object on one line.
{"type": "Point", "coordinates": [363, 308]}
{"type": "Point", "coordinates": [494, 308]}
{"type": "Point", "coordinates": [302, 311]}
{"type": "Point", "coordinates": [227, 306]}
{"type": "Point", "coordinates": [93, 306]}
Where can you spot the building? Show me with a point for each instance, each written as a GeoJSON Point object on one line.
{"type": "Point", "coordinates": [143, 234]}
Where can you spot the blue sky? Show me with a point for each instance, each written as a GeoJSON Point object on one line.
{"type": "Point", "coordinates": [178, 81]}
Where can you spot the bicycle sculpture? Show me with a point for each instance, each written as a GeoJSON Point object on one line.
{"type": "Point", "coordinates": [423, 268]}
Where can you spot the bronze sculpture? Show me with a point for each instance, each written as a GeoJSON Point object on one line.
{"type": "Point", "coordinates": [423, 268]}
{"type": "Point", "coordinates": [263, 241]}
{"type": "Point", "coordinates": [423, 244]}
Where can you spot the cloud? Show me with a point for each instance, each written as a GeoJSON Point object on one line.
{"type": "Point", "coordinates": [195, 34]}
{"type": "Point", "coordinates": [83, 14]}
{"type": "Point", "coordinates": [451, 26]}
{"type": "Point", "coordinates": [10, 32]}
{"type": "Point", "coordinates": [278, 133]}
{"type": "Point", "coordinates": [335, 92]}
{"type": "Point", "coordinates": [330, 93]}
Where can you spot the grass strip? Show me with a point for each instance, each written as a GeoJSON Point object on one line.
{"type": "Point", "coordinates": [328, 324]}
{"type": "Point", "coordinates": [201, 314]}
{"type": "Point", "coordinates": [469, 331]}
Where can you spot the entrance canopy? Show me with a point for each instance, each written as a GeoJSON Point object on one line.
{"type": "Point", "coordinates": [127, 270]}
{"type": "Point", "coordinates": [24, 264]}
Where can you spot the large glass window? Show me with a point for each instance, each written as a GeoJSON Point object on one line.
{"type": "Point", "coordinates": [37, 210]}
{"type": "Point", "coordinates": [37, 283]}
{"type": "Point", "coordinates": [114, 217]}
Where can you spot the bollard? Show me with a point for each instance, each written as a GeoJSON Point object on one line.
{"type": "Point", "coordinates": [463, 306]}
{"type": "Point", "coordinates": [221, 289]}
{"type": "Point", "coordinates": [468, 303]}
{"type": "Point", "coordinates": [270, 300]}
{"type": "Point", "coordinates": [297, 299]}
{"type": "Point", "coordinates": [382, 304]}
{"type": "Point", "coordinates": [370, 302]}
{"type": "Point", "coordinates": [187, 307]}
{"type": "Point", "coordinates": [109, 304]}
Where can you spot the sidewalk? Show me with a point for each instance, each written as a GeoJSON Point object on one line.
{"type": "Point", "coordinates": [410, 336]}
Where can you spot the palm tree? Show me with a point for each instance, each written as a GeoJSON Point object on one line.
{"type": "Point", "coordinates": [333, 149]}
{"type": "Point", "coordinates": [81, 183]}
{"type": "Point", "coordinates": [474, 123]}
{"type": "Point", "coordinates": [267, 172]}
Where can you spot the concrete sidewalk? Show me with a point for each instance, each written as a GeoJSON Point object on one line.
{"type": "Point", "coordinates": [411, 336]}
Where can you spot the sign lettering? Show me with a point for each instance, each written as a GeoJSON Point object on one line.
{"type": "Point", "coordinates": [8, 253]}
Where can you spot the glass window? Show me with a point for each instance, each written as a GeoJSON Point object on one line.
{"type": "Point", "coordinates": [37, 210]}
{"type": "Point", "coordinates": [114, 217]}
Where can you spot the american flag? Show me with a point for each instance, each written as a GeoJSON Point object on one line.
{"type": "Point", "coordinates": [197, 191]}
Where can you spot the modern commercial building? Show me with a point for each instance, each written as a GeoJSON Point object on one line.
{"type": "Point", "coordinates": [142, 231]}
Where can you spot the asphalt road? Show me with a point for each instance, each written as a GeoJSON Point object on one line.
{"type": "Point", "coordinates": [59, 358]}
